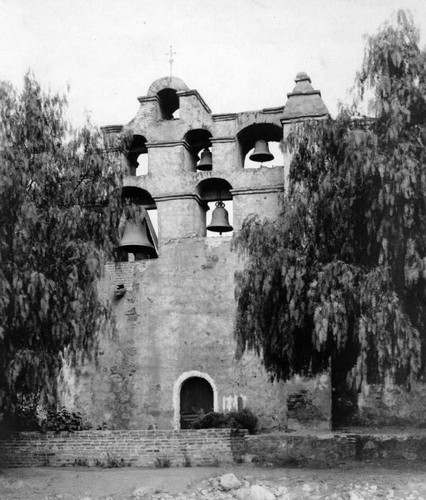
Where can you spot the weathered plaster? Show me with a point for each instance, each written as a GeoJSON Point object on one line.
{"type": "Point", "coordinates": [177, 316]}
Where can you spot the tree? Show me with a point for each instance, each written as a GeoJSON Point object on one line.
{"type": "Point", "coordinates": [341, 274]}
{"type": "Point", "coordinates": [59, 213]}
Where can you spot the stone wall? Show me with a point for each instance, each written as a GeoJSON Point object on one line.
{"type": "Point", "coordinates": [177, 320]}
{"type": "Point", "coordinates": [185, 448]}
{"type": "Point", "coordinates": [392, 405]}
{"type": "Point", "coordinates": [124, 448]}
{"type": "Point", "coordinates": [283, 449]}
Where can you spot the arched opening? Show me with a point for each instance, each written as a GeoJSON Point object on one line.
{"type": "Point", "coordinates": [196, 395]}
{"type": "Point", "coordinates": [274, 148]}
{"type": "Point", "coordinates": [168, 102]}
{"type": "Point", "coordinates": [137, 156]}
{"type": "Point", "coordinates": [198, 141]}
{"type": "Point", "coordinates": [139, 226]}
{"type": "Point", "coordinates": [212, 191]}
{"type": "Point", "coordinates": [271, 135]}
{"type": "Point", "coordinates": [177, 393]}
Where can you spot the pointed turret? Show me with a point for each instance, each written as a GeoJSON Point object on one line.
{"type": "Point", "coordinates": [304, 101]}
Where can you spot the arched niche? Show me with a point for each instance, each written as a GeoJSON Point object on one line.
{"type": "Point", "coordinates": [248, 136]}
{"type": "Point", "coordinates": [137, 156]}
{"type": "Point", "coordinates": [177, 392]}
{"type": "Point", "coordinates": [210, 191]}
{"type": "Point", "coordinates": [197, 140]}
{"type": "Point", "coordinates": [168, 103]}
{"type": "Point", "coordinates": [213, 189]}
{"type": "Point", "coordinates": [138, 196]}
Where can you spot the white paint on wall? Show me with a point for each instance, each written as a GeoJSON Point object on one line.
{"type": "Point", "coordinates": [230, 403]}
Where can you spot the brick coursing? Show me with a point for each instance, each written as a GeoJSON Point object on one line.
{"type": "Point", "coordinates": [133, 447]}
{"type": "Point", "coordinates": [121, 273]}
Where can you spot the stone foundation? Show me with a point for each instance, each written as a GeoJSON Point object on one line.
{"type": "Point", "coordinates": [283, 449]}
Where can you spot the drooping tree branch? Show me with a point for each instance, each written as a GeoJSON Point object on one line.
{"type": "Point", "coordinates": [341, 274]}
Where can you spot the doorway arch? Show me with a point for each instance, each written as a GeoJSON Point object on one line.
{"type": "Point", "coordinates": [193, 390]}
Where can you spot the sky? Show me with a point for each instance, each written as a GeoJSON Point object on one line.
{"type": "Point", "coordinates": [240, 55]}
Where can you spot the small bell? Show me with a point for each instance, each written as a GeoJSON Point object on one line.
{"type": "Point", "coordinates": [261, 152]}
{"type": "Point", "coordinates": [206, 160]}
{"type": "Point", "coordinates": [135, 240]}
{"type": "Point", "coordinates": [220, 223]}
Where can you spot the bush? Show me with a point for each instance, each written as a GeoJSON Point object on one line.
{"type": "Point", "coordinates": [242, 419]}
{"type": "Point", "coordinates": [162, 462]}
{"type": "Point", "coordinates": [24, 416]}
{"type": "Point", "coordinates": [210, 420]}
{"type": "Point", "coordinates": [111, 462]}
{"type": "Point", "coordinates": [64, 420]}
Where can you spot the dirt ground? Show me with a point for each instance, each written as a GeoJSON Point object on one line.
{"type": "Point", "coordinates": [353, 481]}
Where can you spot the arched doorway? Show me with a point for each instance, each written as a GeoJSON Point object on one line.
{"type": "Point", "coordinates": [196, 395]}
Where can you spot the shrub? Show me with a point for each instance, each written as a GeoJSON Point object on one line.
{"type": "Point", "coordinates": [64, 420]}
{"type": "Point", "coordinates": [81, 462]}
{"type": "Point", "coordinates": [210, 420]}
{"type": "Point", "coordinates": [104, 426]}
{"type": "Point", "coordinates": [162, 462]}
{"type": "Point", "coordinates": [111, 462]}
{"type": "Point", "coordinates": [242, 419]}
{"type": "Point", "coordinates": [186, 460]}
{"type": "Point", "coordinates": [114, 462]}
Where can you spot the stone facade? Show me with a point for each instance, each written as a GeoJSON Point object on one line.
{"type": "Point", "coordinates": [175, 321]}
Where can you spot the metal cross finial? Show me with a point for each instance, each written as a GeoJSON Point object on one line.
{"type": "Point", "coordinates": [171, 54]}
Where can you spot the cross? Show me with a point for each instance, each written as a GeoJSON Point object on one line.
{"type": "Point", "coordinates": [171, 54]}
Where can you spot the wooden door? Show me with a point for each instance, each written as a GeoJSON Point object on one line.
{"type": "Point", "coordinates": [196, 395]}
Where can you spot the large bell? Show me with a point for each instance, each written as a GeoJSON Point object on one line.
{"type": "Point", "coordinates": [220, 223]}
{"type": "Point", "coordinates": [135, 240]}
{"type": "Point", "coordinates": [206, 160]}
{"type": "Point", "coordinates": [261, 152]}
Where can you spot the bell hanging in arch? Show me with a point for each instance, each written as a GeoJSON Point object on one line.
{"type": "Point", "coordinates": [206, 160]}
{"type": "Point", "coordinates": [220, 223]}
{"type": "Point", "coordinates": [261, 152]}
{"type": "Point", "coordinates": [135, 240]}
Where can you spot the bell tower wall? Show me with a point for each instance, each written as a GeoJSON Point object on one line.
{"type": "Point", "coordinates": [180, 216]}
{"type": "Point", "coordinates": [225, 154]}
{"type": "Point", "coordinates": [177, 314]}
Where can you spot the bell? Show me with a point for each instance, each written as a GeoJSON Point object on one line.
{"type": "Point", "coordinates": [261, 152]}
{"type": "Point", "coordinates": [220, 223]}
{"type": "Point", "coordinates": [135, 240]}
{"type": "Point", "coordinates": [206, 160]}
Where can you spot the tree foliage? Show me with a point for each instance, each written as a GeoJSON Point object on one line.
{"type": "Point", "coordinates": [59, 213]}
{"type": "Point", "coordinates": [341, 274]}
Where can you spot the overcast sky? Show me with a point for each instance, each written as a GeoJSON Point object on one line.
{"type": "Point", "coordinates": [239, 54]}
